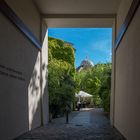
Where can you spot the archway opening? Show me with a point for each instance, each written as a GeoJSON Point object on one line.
{"type": "Point", "coordinates": [80, 64]}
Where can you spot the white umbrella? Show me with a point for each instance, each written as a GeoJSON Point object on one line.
{"type": "Point", "coordinates": [84, 94]}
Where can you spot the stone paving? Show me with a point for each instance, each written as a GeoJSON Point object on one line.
{"type": "Point", "coordinates": [90, 124]}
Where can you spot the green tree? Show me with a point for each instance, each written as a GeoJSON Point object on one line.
{"type": "Point", "coordinates": [61, 74]}
{"type": "Point", "coordinates": [96, 81]}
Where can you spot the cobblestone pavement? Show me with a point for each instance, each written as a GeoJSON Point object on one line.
{"type": "Point", "coordinates": [84, 125]}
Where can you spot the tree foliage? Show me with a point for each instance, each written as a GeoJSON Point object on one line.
{"type": "Point", "coordinates": [61, 72]}
{"type": "Point", "coordinates": [63, 81]}
{"type": "Point", "coordinates": [96, 81]}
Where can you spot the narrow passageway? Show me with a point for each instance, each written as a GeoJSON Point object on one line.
{"type": "Point", "coordinates": [88, 124]}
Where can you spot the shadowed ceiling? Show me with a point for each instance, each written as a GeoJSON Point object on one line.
{"type": "Point", "coordinates": [78, 6]}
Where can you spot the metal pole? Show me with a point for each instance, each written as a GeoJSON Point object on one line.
{"type": "Point", "coordinates": [67, 117]}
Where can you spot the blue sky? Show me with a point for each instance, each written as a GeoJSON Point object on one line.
{"type": "Point", "coordinates": [95, 43]}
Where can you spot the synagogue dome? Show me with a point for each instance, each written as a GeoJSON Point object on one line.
{"type": "Point", "coordinates": [87, 63]}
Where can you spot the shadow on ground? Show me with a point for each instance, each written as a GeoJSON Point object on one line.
{"type": "Point", "coordinates": [89, 124]}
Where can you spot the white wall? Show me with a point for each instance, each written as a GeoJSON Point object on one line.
{"type": "Point", "coordinates": [127, 89]}
{"type": "Point", "coordinates": [28, 13]}
{"type": "Point", "coordinates": [44, 70]}
{"type": "Point", "coordinates": [79, 22]}
{"type": "Point", "coordinates": [20, 100]}
{"type": "Point", "coordinates": [112, 97]}
{"type": "Point", "coordinates": [122, 12]}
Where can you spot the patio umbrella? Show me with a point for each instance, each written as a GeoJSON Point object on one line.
{"type": "Point", "coordinates": [84, 94]}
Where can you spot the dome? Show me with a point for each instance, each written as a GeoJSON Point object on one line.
{"type": "Point", "coordinates": [87, 63]}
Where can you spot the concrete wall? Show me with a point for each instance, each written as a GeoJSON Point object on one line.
{"type": "Point", "coordinates": [20, 74]}
{"type": "Point", "coordinates": [44, 70]}
{"type": "Point", "coordinates": [122, 12]}
{"type": "Point", "coordinates": [28, 13]}
{"type": "Point", "coordinates": [112, 99]}
{"type": "Point", "coordinates": [79, 22]}
{"type": "Point", "coordinates": [127, 89]}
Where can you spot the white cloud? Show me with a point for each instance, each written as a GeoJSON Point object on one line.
{"type": "Point", "coordinates": [102, 46]}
